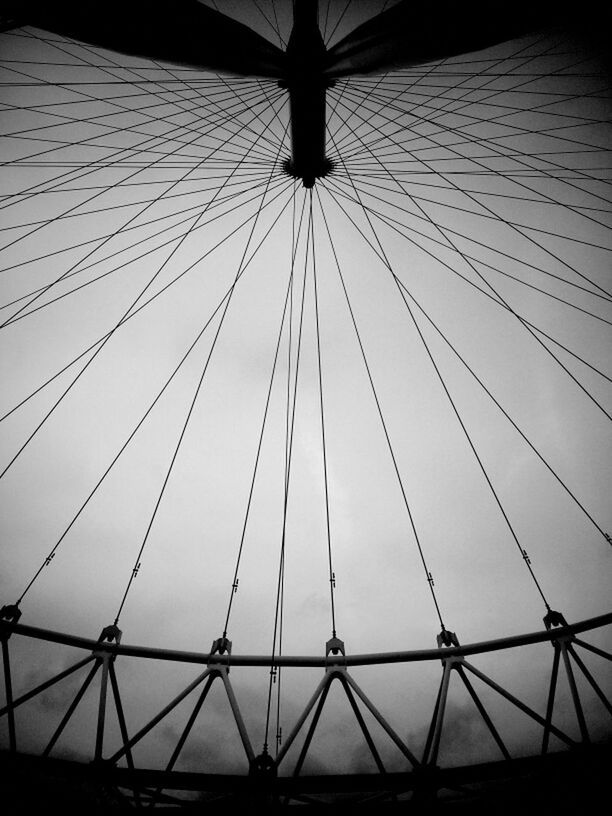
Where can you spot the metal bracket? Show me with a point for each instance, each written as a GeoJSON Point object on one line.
{"type": "Point", "coordinates": [553, 619]}
{"type": "Point", "coordinates": [9, 613]}
{"type": "Point", "coordinates": [447, 638]}
{"type": "Point", "coordinates": [263, 766]}
{"type": "Point", "coordinates": [335, 646]}
{"type": "Point", "coordinates": [110, 634]}
{"type": "Point", "coordinates": [220, 646]}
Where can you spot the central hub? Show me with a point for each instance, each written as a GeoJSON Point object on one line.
{"type": "Point", "coordinates": [307, 85]}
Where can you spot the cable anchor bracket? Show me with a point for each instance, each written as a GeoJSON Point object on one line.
{"type": "Point", "coordinates": [109, 634]}
{"type": "Point", "coordinates": [335, 646]}
{"type": "Point", "coordinates": [9, 614]}
{"type": "Point", "coordinates": [447, 639]}
{"type": "Point", "coordinates": [263, 766]}
{"type": "Point", "coordinates": [221, 646]}
{"type": "Point", "coordinates": [552, 620]}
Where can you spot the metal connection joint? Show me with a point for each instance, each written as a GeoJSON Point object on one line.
{"type": "Point", "coordinates": [9, 613]}
{"type": "Point", "coordinates": [220, 646]}
{"type": "Point", "coordinates": [263, 766]}
{"type": "Point", "coordinates": [447, 639]}
{"type": "Point", "coordinates": [552, 620]}
{"type": "Point", "coordinates": [110, 634]}
{"type": "Point", "coordinates": [335, 646]}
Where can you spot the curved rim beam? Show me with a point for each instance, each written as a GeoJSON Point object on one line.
{"type": "Point", "coordinates": [414, 656]}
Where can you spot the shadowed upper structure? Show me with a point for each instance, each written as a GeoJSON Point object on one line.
{"type": "Point", "coordinates": [186, 32]}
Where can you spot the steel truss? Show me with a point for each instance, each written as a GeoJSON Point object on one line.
{"type": "Point", "coordinates": [273, 779]}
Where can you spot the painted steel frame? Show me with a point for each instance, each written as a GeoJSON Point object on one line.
{"type": "Point", "coordinates": [147, 786]}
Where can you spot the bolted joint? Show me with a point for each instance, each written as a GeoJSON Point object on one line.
{"type": "Point", "coordinates": [263, 766]}
{"type": "Point", "coordinates": [553, 619]}
{"type": "Point", "coordinates": [9, 614]}
{"type": "Point", "coordinates": [110, 634]}
{"type": "Point", "coordinates": [447, 638]}
{"type": "Point", "coordinates": [334, 646]}
{"type": "Point", "coordinates": [221, 646]}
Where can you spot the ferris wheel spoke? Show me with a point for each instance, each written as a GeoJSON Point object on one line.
{"type": "Point", "coordinates": [494, 492]}
{"type": "Point", "coordinates": [380, 158]}
{"type": "Point", "coordinates": [176, 91]}
{"type": "Point", "coordinates": [494, 152]}
{"type": "Point", "coordinates": [426, 215]}
{"type": "Point", "coordinates": [437, 96]}
{"type": "Point", "coordinates": [249, 175]}
{"type": "Point", "coordinates": [367, 184]}
{"type": "Point", "coordinates": [272, 22]}
{"type": "Point", "coordinates": [479, 102]}
{"type": "Point", "coordinates": [401, 227]}
{"type": "Point", "coordinates": [487, 193]}
{"type": "Point", "coordinates": [160, 197]}
{"type": "Point", "coordinates": [531, 328]}
{"type": "Point", "coordinates": [175, 135]}
{"type": "Point", "coordinates": [127, 156]}
{"type": "Point", "coordinates": [367, 367]}
{"type": "Point", "coordinates": [201, 116]}
{"type": "Point", "coordinates": [132, 313]}
{"type": "Point", "coordinates": [221, 308]}
{"type": "Point", "coordinates": [227, 114]}
{"type": "Point", "coordinates": [428, 121]}
{"type": "Point", "coordinates": [505, 413]}
{"type": "Point", "coordinates": [293, 379]}
{"type": "Point", "coordinates": [522, 231]}
{"type": "Point", "coordinates": [327, 36]}
{"type": "Point", "coordinates": [249, 501]}
{"type": "Point", "coordinates": [330, 561]}
{"type": "Point", "coordinates": [138, 242]}
{"type": "Point", "coordinates": [385, 261]}
{"type": "Point", "coordinates": [130, 220]}
{"type": "Point", "coordinates": [124, 152]}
